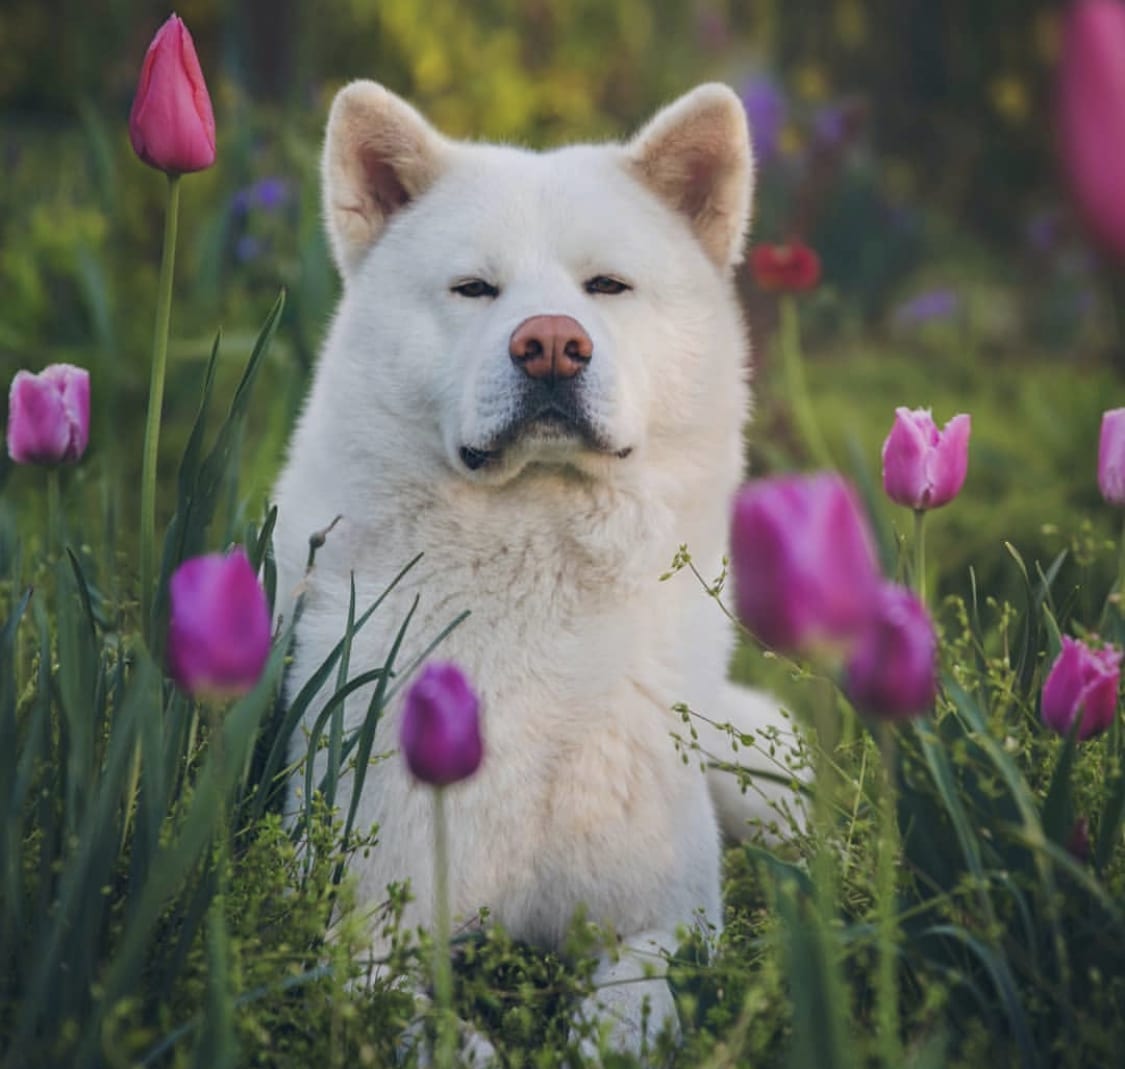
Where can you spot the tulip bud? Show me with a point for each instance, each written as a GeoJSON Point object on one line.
{"type": "Point", "coordinates": [1090, 116]}
{"type": "Point", "coordinates": [440, 733]}
{"type": "Point", "coordinates": [923, 467]}
{"type": "Point", "coordinates": [1082, 682]}
{"type": "Point", "coordinates": [171, 125]}
{"type": "Point", "coordinates": [219, 629]}
{"type": "Point", "coordinates": [49, 415]}
{"type": "Point", "coordinates": [789, 268]}
{"type": "Point", "coordinates": [803, 562]}
{"type": "Point", "coordinates": [892, 673]}
{"type": "Point", "coordinates": [1111, 457]}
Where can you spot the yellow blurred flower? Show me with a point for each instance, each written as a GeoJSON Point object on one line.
{"type": "Point", "coordinates": [851, 23]}
{"type": "Point", "coordinates": [811, 82]}
{"type": "Point", "coordinates": [1010, 98]}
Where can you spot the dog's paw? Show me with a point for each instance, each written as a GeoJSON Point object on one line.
{"type": "Point", "coordinates": [415, 1049]}
{"type": "Point", "coordinates": [627, 1018]}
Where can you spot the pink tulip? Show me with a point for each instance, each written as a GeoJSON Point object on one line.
{"type": "Point", "coordinates": [892, 675]}
{"type": "Point", "coordinates": [440, 734]}
{"type": "Point", "coordinates": [1090, 116]}
{"type": "Point", "coordinates": [49, 415]}
{"type": "Point", "coordinates": [803, 562]}
{"type": "Point", "coordinates": [1111, 457]}
{"type": "Point", "coordinates": [1082, 682]}
{"type": "Point", "coordinates": [923, 467]}
{"type": "Point", "coordinates": [219, 631]}
{"type": "Point", "coordinates": [171, 125]}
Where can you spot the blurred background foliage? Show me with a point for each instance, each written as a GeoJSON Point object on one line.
{"type": "Point", "coordinates": [909, 142]}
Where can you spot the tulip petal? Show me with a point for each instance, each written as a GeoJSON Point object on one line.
{"type": "Point", "coordinates": [949, 461]}
{"type": "Point", "coordinates": [171, 124]}
{"type": "Point", "coordinates": [1111, 457]}
{"type": "Point", "coordinates": [219, 626]}
{"type": "Point", "coordinates": [803, 562]}
{"type": "Point", "coordinates": [1085, 681]}
{"type": "Point", "coordinates": [440, 729]}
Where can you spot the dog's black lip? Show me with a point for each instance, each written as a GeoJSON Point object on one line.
{"type": "Point", "coordinates": [551, 415]}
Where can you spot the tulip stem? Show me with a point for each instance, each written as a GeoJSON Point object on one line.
{"type": "Point", "coordinates": [155, 407]}
{"type": "Point", "coordinates": [54, 511]}
{"type": "Point", "coordinates": [1121, 564]}
{"type": "Point", "coordinates": [443, 969]}
{"type": "Point", "coordinates": [823, 865]}
{"type": "Point", "coordinates": [920, 554]}
{"type": "Point", "coordinates": [886, 979]}
{"type": "Point", "coordinates": [796, 385]}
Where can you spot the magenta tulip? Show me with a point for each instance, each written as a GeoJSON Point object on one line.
{"type": "Point", "coordinates": [219, 630]}
{"type": "Point", "coordinates": [1082, 682]}
{"type": "Point", "coordinates": [440, 733]}
{"type": "Point", "coordinates": [49, 415]}
{"type": "Point", "coordinates": [171, 125]}
{"type": "Point", "coordinates": [803, 562]}
{"type": "Point", "coordinates": [1111, 457]}
{"type": "Point", "coordinates": [923, 467]}
{"type": "Point", "coordinates": [892, 675]}
{"type": "Point", "coordinates": [1090, 116]}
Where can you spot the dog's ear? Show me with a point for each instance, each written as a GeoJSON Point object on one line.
{"type": "Point", "coordinates": [379, 154]}
{"type": "Point", "coordinates": [695, 155]}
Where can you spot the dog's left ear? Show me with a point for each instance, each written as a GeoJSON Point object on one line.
{"type": "Point", "coordinates": [695, 155]}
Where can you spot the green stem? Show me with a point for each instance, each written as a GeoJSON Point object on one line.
{"type": "Point", "coordinates": [823, 865]}
{"type": "Point", "coordinates": [886, 979]}
{"type": "Point", "coordinates": [54, 512]}
{"type": "Point", "coordinates": [920, 554]}
{"type": "Point", "coordinates": [443, 969]}
{"type": "Point", "coordinates": [155, 406]}
{"type": "Point", "coordinates": [1121, 564]}
{"type": "Point", "coordinates": [796, 385]}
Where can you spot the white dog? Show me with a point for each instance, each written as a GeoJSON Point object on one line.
{"type": "Point", "coordinates": [537, 378]}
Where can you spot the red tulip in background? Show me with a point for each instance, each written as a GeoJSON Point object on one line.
{"type": "Point", "coordinates": [171, 125]}
{"type": "Point", "coordinates": [803, 562]}
{"type": "Point", "coordinates": [1111, 457]}
{"type": "Point", "coordinates": [440, 734]}
{"type": "Point", "coordinates": [892, 674]}
{"type": "Point", "coordinates": [49, 415]}
{"type": "Point", "coordinates": [789, 268]}
{"type": "Point", "coordinates": [219, 627]}
{"type": "Point", "coordinates": [923, 467]}
{"type": "Point", "coordinates": [1090, 116]}
{"type": "Point", "coordinates": [1082, 680]}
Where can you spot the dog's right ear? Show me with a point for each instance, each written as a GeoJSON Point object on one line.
{"type": "Point", "coordinates": [379, 154]}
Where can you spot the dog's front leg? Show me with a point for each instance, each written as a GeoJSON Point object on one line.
{"type": "Point", "coordinates": [632, 1003]}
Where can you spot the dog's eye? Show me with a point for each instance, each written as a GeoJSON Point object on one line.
{"type": "Point", "coordinates": [606, 284]}
{"type": "Point", "coordinates": [475, 287]}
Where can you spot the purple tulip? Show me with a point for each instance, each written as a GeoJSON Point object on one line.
{"type": "Point", "coordinates": [928, 307]}
{"type": "Point", "coordinates": [1090, 116]}
{"type": "Point", "coordinates": [49, 415]}
{"type": "Point", "coordinates": [219, 631]}
{"type": "Point", "coordinates": [892, 675]}
{"type": "Point", "coordinates": [766, 112]}
{"type": "Point", "coordinates": [803, 562]}
{"type": "Point", "coordinates": [1082, 682]}
{"type": "Point", "coordinates": [1111, 457]}
{"type": "Point", "coordinates": [923, 467]}
{"type": "Point", "coordinates": [440, 733]}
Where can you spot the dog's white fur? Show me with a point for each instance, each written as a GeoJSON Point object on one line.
{"type": "Point", "coordinates": [556, 544]}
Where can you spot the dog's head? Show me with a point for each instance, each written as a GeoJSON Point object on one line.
{"type": "Point", "coordinates": [520, 308]}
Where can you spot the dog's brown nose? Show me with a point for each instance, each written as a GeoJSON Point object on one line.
{"type": "Point", "coordinates": [550, 347]}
